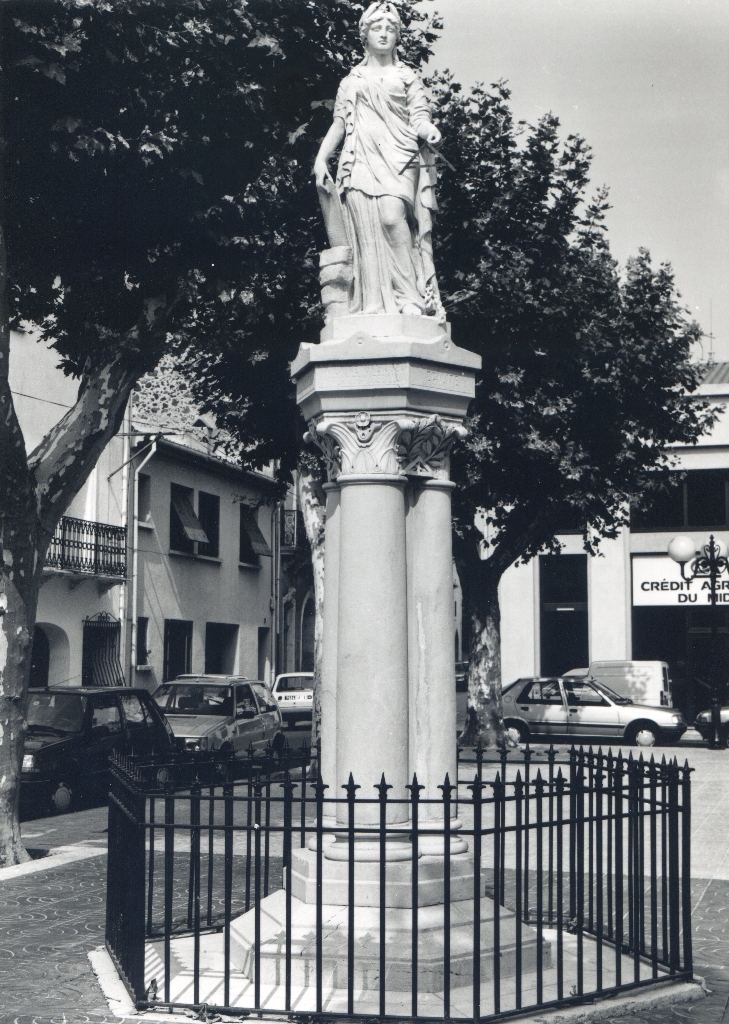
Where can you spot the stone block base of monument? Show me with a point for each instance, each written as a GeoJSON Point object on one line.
{"type": "Point", "coordinates": [398, 945]}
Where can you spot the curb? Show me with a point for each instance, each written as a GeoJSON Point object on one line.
{"type": "Point", "coordinates": [55, 858]}
{"type": "Point", "coordinates": [120, 1002]}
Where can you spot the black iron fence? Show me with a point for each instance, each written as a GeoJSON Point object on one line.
{"type": "Point", "coordinates": [530, 884]}
{"type": "Point", "coordinates": [82, 546]}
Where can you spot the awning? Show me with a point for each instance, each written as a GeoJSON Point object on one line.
{"type": "Point", "coordinates": [190, 523]}
{"type": "Point", "coordinates": [249, 524]}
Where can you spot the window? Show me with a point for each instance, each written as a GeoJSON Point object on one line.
{"type": "Point", "coordinates": [106, 719]}
{"type": "Point", "coordinates": [252, 542]}
{"type": "Point", "coordinates": [178, 648]}
{"type": "Point", "coordinates": [698, 502]}
{"type": "Point", "coordinates": [144, 498]}
{"type": "Point", "coordinates": [185, 527]}
{"type": "Point", "coordinates": [581, 694]}
{"type": "Point", "coordinates": [265, 700]}
{"type": "Point", "coordinates": [208, 512]}
{"type": "Point", "coordinates": [142, 630]}
{"type": "Point", "coordinates": [541, 692]}
{"type": "Point", "coordinates": [221, 644]}
{"type": "Point", "coordinates": [245, 702]}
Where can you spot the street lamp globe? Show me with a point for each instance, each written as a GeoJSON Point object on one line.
{"type": "Point", "coordinates": [682, 549]}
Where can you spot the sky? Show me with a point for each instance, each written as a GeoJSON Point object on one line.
{"type": "Point", "coordinates": [646, 83]}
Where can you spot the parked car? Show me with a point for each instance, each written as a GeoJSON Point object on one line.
{"type": "Point", "coordinates": [583, 711]}
{"type": "Point", "coordinates": [294, 696]}
{"type": "Point", "coordinates": [645, 682]}
{"type": "Point", "coordinates": [227, 713]}
{"type": "Point", "coordinates": [703, 724]}
{"type": "Point", "coordinates": [71, 733]}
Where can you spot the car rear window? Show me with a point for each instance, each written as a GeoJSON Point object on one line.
{"type": "Point", "coordinates": [61, 711]}
{"type": "Point", "coordinates": [294, 683]}
{"type": "Point", "coordinates": [192, 699]}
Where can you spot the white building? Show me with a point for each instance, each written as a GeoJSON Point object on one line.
{"type": "Point", "coordinates": [562, 611]}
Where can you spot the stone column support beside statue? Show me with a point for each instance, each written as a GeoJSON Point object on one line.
{"type": "Point", "coordinates": [328, 691]}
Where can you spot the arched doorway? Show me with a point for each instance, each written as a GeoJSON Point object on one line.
{"type": "Point", "coordinates": [308, 612]}
{"type": "Point", "coordinates": [40, 658]}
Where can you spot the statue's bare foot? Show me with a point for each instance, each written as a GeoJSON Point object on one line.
{"type": "Point", "coordinates": [411, 309]}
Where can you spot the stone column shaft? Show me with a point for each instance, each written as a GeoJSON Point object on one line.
{"type": "Point", "coordinates": [328, 694]}
{"type": "Point", "coordinates": [372, 686]}
{"type": "Point", "coordinates": [431, 662]}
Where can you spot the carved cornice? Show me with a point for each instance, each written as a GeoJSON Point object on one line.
{"type": "Point", "coordinates": [361, 444]}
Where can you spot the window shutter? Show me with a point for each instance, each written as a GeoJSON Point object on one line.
{"type": "Point", "coordinates": [249, 524]}
{"type": "Point", "coordinates": [190, 523]}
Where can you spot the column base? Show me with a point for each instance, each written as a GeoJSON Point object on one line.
{"type": "Point", "coordinates": [398, 943]}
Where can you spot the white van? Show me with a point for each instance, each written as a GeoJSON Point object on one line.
{"type": "Point", "coordinates": [644, 682]}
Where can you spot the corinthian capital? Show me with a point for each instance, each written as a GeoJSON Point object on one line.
{"type": "Point", "coordinates": [362, 443]}
{"type": "Point", "coordinates": [425, 445]}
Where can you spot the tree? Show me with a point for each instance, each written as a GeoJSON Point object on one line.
{"type": "Point", "coordinates": [586, 373]}
{"type": "Point", "coordinates": [151, 152]}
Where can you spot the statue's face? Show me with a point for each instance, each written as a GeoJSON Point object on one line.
{"type": "Point", "coordinates": [381, 36]}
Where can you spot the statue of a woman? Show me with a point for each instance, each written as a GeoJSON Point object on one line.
{"type": "Point", "coordinates": [385, 179]}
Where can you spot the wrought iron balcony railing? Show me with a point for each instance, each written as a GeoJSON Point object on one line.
{"type": "Point", "coordinates": [293, 534]}
{"type": "Point", "coordinates": [94, 548]}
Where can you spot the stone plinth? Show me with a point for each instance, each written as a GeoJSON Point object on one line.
{"type": "Point", "coordinates": [398, 945]}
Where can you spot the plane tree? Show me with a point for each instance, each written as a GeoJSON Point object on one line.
{"type": "Point", "coordinates": [152, 159]}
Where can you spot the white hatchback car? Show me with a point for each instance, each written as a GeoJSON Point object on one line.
{"type": "Point", "coordinates": [227, 713]}
{"type": "Point", "coordinates": [295, 697]}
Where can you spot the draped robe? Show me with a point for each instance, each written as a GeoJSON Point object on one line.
{"type": "Point", "coordinates": [381, 119]}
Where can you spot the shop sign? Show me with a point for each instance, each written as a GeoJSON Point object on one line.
{"type": "Point", "coordinates": [657, 580]}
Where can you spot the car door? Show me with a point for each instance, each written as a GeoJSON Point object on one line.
{"type": "Point", "coordinates": [591, 715]}
{"type": "Point", "coordinates": [248, 728]}
{"type": "Point", "coordinates": [542, 706]}
{"type": "Point", "coordinates": [270, 713]}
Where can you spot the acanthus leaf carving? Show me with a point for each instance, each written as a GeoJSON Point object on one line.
{"type": "Point", "coordinates": [425, 445]}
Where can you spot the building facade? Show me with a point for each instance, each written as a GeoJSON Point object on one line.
{"type": "Point", "coordinates": [560, 612]}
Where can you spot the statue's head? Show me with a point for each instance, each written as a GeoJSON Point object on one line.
{"type": "Point", "coordinates": [380, 12]}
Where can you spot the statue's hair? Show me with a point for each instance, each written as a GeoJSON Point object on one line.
{"type": "Point", "coordinates": [379, 9]}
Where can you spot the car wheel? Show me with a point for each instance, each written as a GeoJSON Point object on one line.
{"type": "Point", "coordinates": [644, 734]}
{"type": "Point", "coordinates": [517, 731]}
{"type": "Point", "coordinates": [226, 749]}
{"type": "Point", "coordinates": [62, 798]}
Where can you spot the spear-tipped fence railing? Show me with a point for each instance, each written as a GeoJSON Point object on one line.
{"type": "Point", "coordinates": [575, 884]}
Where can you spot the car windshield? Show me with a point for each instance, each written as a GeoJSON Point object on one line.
{"type": "Point", "coordinates": [56, 712]}
{"type": "Point", "coordinates": [616, 698]}
{"type": "Point", "coordinates": [195, 699]}
{"type": "Point", "coordinates": [294, 683]}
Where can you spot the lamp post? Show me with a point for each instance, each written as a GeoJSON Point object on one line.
{"type": "Point", "coordinates": [709, 565]}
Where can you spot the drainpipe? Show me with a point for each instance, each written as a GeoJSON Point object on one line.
{"type": "Point", "coordinates": [126, 446]}
{"type": "Point", "coordinates": [135, 562]}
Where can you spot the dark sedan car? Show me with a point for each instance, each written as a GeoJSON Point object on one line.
{"type": "Point", "coordinates": [72, 732]}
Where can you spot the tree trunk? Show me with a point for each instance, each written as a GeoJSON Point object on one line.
{"type": "Point", "coordinates": [313, 509]}
{"type": "Point", "coordinates": [484, 722]}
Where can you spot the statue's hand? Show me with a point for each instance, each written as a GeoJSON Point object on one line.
{"type": "Point", "coordinates": [322, 175]}
{"type": "Point", "coordinates": [430, 133]}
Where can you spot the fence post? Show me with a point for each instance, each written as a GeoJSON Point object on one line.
{"type": "Point", "coordinates": [674, 897]}
{"type": "Point", "coordinates": [351, 790]}
{"type": "Point", "coordinates": [446, 789]}
{"type": "Point", "coordinates": [382, 787]}
{"type": "Point", "coordinates": [688, 962]}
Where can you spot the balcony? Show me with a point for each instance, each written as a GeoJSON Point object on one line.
{"type": "Point", "coordinates": [293, 534]}
{"type": "Point", "coordinates": [88, 550]}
